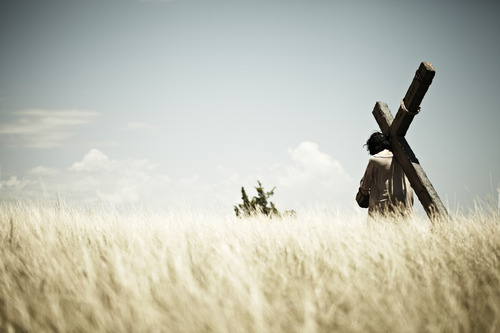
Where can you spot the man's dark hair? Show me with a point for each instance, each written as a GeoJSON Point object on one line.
{"type": "Point", "coordinates": [377, 142]}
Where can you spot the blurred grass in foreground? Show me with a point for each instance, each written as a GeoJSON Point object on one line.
{"type": "Point", "coordinates": [97, 270]}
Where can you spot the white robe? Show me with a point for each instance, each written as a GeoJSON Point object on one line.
{"type": "Point", "coordinates": [386, 184]}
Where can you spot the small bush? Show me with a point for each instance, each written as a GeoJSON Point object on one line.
{"type": "Point", "coordinates": [259, 204]}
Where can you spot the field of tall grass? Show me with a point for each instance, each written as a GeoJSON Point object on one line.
{"type": "Point", "coordinates": [69, 269]}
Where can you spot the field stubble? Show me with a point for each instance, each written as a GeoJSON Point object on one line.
{"type": "Point", "coordinates": [67, 269]}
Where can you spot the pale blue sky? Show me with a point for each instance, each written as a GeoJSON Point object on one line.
{"type": "Point", "coordinates": [183, 102]}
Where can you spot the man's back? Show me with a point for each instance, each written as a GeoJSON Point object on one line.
{"type": "Point", "coordinates": [386, 183]}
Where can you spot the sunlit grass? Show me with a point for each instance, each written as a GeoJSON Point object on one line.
{"type": "Point", "coordinates": [64, 268]}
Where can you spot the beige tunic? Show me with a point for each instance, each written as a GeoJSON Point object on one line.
{"type": "Point", "coordinates": [386, 183]}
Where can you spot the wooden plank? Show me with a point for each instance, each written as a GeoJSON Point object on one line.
{"type": "Point", "coordinates": [383, 116]}
{"type": "Point", "coordinates": [414, 96]}
{"type": "Point", "coordinates": [422, 186]}
{"type": "Point", "coordinates": [419, 86]}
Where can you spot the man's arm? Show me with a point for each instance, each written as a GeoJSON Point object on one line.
{"type": "Point", "coordinates": [366, 182]}
{"type": "Point", "coordinates": [363, 195]}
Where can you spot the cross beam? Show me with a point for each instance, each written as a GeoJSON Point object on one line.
{"type": "Point", "coordinates": [396, 129]}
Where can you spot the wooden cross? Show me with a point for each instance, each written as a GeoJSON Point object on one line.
{"type": "Point", "coordinates": [396, 129]}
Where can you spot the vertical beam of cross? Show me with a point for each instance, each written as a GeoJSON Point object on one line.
{"type": "Point", "coordinates": [396, 129]}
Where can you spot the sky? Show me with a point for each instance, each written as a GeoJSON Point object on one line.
{"type": "Point", "coordinates": [181, 103]}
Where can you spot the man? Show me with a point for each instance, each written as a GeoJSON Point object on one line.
{"type": "Point", "coordinates": [384, 187]}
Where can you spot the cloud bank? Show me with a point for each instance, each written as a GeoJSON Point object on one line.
{"type": "Point", "coordinates": [36, 128]}
{"type": "Point", "coordinates": [308, 177]}
{"type": "Point", "coordinates": [312, 176]}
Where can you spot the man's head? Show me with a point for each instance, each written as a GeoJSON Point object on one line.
{"type": "Point", "coordinates": [377, 142]}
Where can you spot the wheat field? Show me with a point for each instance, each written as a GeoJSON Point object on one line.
{"type": "Point", "coordinates": [95, 269]}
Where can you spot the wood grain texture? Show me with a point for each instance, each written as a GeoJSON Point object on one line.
{"type": "Point", "coordinates": [413, 98]}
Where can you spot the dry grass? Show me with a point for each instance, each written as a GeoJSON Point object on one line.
{"type": "Point", "coordinates": [67, 269]}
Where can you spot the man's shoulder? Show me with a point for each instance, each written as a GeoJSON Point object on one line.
{"type": "Point", "coordinates": [380, 159]}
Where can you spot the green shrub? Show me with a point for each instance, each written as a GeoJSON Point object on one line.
{"type": "Point", "coordinates": [259, 205]}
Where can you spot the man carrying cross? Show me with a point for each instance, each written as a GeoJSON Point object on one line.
{"type": "Point", "coordinates": [394, 129]}
{"type": "Point", "coordinates": [384, 187]}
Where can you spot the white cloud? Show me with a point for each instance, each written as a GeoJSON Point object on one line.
{"type": "Point", "coordinates": [36, 128]}
{"type": "Point", "coordinates": [93, 160]}
{"type": "Point", "coordinates": [42, 171]}
{"type": "Point", "coordinates": [14, 183]}
{"type": "Point", "coordinates": [310, 164]}
{"type": "Point", "coordinates": [95, 178]}
{"type": "Point", "coordinates": [117, 181]}
{"type": "Point", "coordinates": [310, 176]}
{"type": "Point", "coordinates": [138, 126]}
